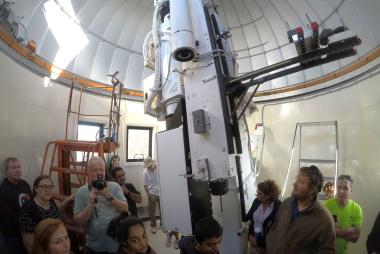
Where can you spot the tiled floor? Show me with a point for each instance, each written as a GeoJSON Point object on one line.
{"type": "Point", "coordinates": [157, 241]}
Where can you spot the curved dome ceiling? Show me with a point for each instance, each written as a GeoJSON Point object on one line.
{"type": "Point", "coordinates": [107, 35]}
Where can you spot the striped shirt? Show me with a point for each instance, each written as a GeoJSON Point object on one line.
{"type": "Point", "coordinates": [31, 214]}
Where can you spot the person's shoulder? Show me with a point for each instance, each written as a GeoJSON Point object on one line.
{"type": "Point", "coordinates": [277, 202]}
{"type": "Point", "coordinates": [113, 185]}
{"type": "Point", "coordinates": [323, 212]}
{"type": "Point", "coordinates": [4, 184]}
{"type": "Point", "coordinates": [287, 202]}
{"type": "Point", "coordinates": [330, 202]}
{"type": "Point", "coordinates": [353, 203]}
{"type": "Point", "coordinates": [83, 190]}
{"type": "Point", "coordinates": [29, 205]}
{"type": "Point", "coordinates": [23, 182]}
{"type": "Point", "coordinates": [83, 187]}
{"type": "Point", "coordinates": [355, 206]}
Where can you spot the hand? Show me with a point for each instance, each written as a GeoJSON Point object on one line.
{"type": "Point", "coordinates": [92, 196]}
{"type": "Point", "coordinates": [252, 241]}
{"type": "Point", "coordinates": [71, 197]}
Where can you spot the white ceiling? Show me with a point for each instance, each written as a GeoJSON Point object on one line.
{"type": "Point", "coordinates": [116, 30]}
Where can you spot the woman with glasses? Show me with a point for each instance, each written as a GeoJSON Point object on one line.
{"type": "Point", "coordinates": [262, 214]}
{"type": "Point", "coordinates": [130, 233]}
{"type": "Point", "coordinates": [40, 207]}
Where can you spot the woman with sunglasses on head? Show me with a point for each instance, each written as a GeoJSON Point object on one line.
{"type": "Point", "coordinates": [262, 214]}
{"type": "Point", "coordinates": [50, 237]}
{"type": "Point", "coordinates": [130, 233]}
{"type": "Point", "coordinates": [40, 207]}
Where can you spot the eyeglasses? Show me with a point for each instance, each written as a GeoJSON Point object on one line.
{"type": "Point", "coordinates": [46, 187]}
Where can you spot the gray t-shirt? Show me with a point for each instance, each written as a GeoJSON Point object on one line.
{"type": "Point", "coordinates": [101, 215]}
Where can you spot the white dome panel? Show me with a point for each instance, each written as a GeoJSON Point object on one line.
{"type": "Point", "coordinates": [49, 47]}
{"type": "Point", "coordinates": [86, 57]}
{"type": "Point", "coordinates": [102, 62]}
{"type": "Point", "coordinates": [116, 29]}
{"type": "Point", "coordinates": [121, 59]}
{"type": "Point", "coordinates": [134, 74]}
{"type": "Point", "coordinates": [258, 61]}
{"type": "Point", "coordinates": [37, 28]}
{"type": "Point", "coordinates": [275, 22]}
{"type": "Point", "coordinates": [89, 12]}
{"type": "Point", "coordinates": [104, 17]}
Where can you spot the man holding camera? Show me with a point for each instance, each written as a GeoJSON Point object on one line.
{"type": "Point", "coordinates": [96, 204]}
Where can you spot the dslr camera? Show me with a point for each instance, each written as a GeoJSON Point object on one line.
{"type": "Point", "coordinates": [99, 183]}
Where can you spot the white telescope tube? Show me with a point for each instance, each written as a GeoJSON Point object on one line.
{"type": "Point", "coordinates": [183, 44]}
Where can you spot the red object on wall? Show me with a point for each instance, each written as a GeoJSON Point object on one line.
{"type": "Point", "coordinates": [32, 45]}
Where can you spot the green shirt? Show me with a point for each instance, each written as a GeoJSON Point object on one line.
{"type": "Point", "coordinates": [348, 216]}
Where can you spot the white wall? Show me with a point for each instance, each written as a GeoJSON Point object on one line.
{"type": "Point", "coordinates": [357, 110]}
{"type": "Point", "coordinates": [31, 115]}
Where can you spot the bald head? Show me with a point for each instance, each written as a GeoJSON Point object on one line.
{"type": "Point", "coordinates": [95, 167]}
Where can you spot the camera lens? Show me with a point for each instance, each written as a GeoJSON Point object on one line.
{"type": "Point", "coordinates": [99, 184]}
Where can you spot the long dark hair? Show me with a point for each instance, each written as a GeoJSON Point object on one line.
{"type": "Point", "coordinates": [118, 229]}
{"type": "Point", "coordinates": [37, 182]}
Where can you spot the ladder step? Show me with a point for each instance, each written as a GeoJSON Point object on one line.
{"type": "Point", "coordinates": [76, 185]}
{"type": "Point", "coordinates": [68, 171]}
{"type": "Point", "coordinates": [78, 163]}
{"type": "Point", "coordinates": [318, 161]}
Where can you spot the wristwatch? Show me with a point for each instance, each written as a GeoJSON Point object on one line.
{"type": "Point", "coordinates": [110, 198]}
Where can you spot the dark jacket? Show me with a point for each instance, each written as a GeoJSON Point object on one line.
{"type": "Point", "coordinates": [373, 241]}
{"type": "Point", "coordinates": [311, 231]}
{"type": "Point", "coordinates": [187, 245]}
{"type": "Point", "coordinates": [267, 222]}
{"type": "Point", "coordinates": [12, 199]}
{"type": "Point", "coordinates": [131, 203]}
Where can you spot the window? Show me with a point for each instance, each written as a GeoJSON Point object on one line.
{"type": "Point", "coordinates": [139, 143]}
{"type": "Point", "coordinates": [88, 131]}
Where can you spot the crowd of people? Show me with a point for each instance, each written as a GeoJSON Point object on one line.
{"type": "Point", "coordinates": [33, 222]}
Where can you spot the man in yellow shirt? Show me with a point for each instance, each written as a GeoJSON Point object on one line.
{"type": "Point", "coordinates": [347, 214]}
